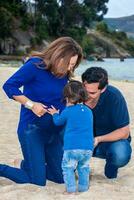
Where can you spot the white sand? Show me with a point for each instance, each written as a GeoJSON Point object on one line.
{"type": "Point", "coordinates": [101, 188]}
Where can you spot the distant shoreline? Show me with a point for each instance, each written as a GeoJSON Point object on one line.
{"type": "Point", "coordinates": [13, 69]}
{"type": "Point", "coordinates": [20, 58]}
{"type": "Point", "coordinates": [11, 58]}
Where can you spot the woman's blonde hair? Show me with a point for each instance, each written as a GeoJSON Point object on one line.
{"type": "Point", "coordinates": [62, 49]}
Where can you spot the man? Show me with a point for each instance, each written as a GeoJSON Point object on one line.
{"type": "Point", "coordinates": [111, 121]}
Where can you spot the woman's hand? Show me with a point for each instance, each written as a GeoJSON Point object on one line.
{"type": "Point", "coordinates": [52, 110]}
{"type": "Point", "coordinates": [39, 109]}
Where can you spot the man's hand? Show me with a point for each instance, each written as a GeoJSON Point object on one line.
{"type": "Point", "coordinates": [52, 110]}
{"type": "Point", "coordinates": [118, 134]}
{"type": "Point", "coordinates": [97, 140]}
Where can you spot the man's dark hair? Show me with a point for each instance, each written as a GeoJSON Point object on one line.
{"type": "Point", "coordinates": [96, 75]}
{"type": "Point", "coordinates": [75, 92]}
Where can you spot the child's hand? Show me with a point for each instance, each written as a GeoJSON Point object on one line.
{"type": "Point", "coordinates": [52, 110]}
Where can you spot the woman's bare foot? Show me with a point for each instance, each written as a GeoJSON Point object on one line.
{"type": "Point", "coordinates": [17, 163]}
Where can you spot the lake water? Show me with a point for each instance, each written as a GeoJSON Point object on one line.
{"type": "Point", "coordinates": [116, 69]}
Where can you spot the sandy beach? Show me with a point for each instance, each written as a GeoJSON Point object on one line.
{"type": "Point", "coordinates": [101, 188]}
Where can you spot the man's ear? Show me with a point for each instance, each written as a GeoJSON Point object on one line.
{"type": "Point", "coordinates": [103, 90]}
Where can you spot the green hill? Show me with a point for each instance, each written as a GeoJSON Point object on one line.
{"type": "Point", "coordinates": [125, 24]}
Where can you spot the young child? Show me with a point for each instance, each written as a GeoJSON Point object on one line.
{"type": "Point", "coordinates": [78, 136]}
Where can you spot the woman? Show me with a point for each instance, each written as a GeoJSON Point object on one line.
{"type": "Point", "coordinates": [43, 76]}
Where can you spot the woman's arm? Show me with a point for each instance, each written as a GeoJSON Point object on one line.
{"type": "Point", "coordinates": [21, 77]}
{"type": "Point", "coordinates": [25, 75]}
{"type": "Point", "coordinates": [37, 108]}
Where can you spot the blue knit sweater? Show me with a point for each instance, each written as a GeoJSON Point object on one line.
{"type": "Point", "coordinates": [39, 85]}
{"type": "Point", "coordinates": [78, 121]}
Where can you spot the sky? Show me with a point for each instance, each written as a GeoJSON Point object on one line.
{"type": "Point", "coordinates": [120, 8]}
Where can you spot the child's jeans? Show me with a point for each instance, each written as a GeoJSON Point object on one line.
{"type": "Point", "coordinates": [72, 160]}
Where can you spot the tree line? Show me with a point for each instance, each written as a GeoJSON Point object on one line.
{"type": "Point", "coordinates": [51, 18]}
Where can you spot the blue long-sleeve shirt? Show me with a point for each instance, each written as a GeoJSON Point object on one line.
{"type": "Point", "coordinates": [78, 121]}
{"type": "Point", "coordinates": [39, 85]}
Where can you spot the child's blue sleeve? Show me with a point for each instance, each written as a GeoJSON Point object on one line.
{"type": "Point", "coordinates": [60, 119]}
{"type": "Point", "coordinates": [24, 75]}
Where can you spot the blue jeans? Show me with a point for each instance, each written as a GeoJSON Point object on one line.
{"type": "Point", "coordinates": [117, 154]}
{"type": "Point", "coordinates": [72, 160]}
{"type": "Point", "coordinates": [42, 151]}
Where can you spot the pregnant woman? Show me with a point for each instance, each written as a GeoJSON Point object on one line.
{"type": "Point", "coordinates": [43, 78]}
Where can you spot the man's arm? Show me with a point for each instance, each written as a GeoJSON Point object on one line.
{"type": "Point", "coordinates": [121, 133]}
{"type": "Point", "coordinates": [119, 117]}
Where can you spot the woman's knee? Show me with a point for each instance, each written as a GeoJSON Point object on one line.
{"type": "Point", "coordinates": [38, 179]}
{"type": "Point", "coordinates": [40, 182]}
